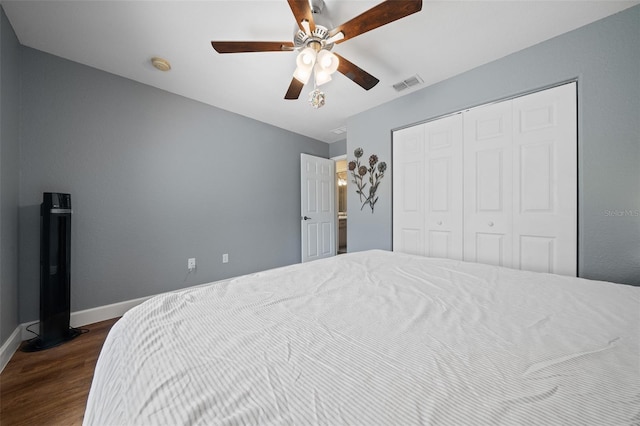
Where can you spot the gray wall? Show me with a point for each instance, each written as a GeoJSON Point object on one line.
{"type": "Point", "coordinates": [605, 58]}
{"type": "Point", "coordinates": [9, 178]}
{"type": "Point", "coordinates": [338, 148]}
{"type": "Point", "coordinates": [154, 179]}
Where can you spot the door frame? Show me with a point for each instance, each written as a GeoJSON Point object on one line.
{"type": "Point", "coordinates": [336, 159]}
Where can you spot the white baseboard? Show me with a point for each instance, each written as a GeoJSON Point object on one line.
{"type": "Point", "coordinates": [10, 347]}
{"type": "Point", "coordinates": [89, 316]}
{"type": "Point", "coordinates": [101, 313]}
{"type": "Point", "coordinates": [78, 319]}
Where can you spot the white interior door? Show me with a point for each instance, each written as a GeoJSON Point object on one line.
{"type": "Point", "coordinates": [488, 181]}
{"type": "Point", "coordinates": [545, 185]}
{"type": "Point", "coordinates": [318, 209]}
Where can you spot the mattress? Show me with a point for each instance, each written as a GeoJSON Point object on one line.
{"type": "Point", "coordinates": [376, 338]}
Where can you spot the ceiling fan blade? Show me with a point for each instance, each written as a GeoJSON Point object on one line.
{"type": "Point", "coordinates": [251, 46]}
{"type": "Point", "coordinates": [356, 74]}
{"type": "Point", "coordinates": [294, 89]}
{"type": "Point", "coordinates": [302, 11]}
{"type": "Point", "coordinates": [382, 14]}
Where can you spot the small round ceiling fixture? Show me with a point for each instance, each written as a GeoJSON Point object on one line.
{"type": "Point", "coordinates": [160, 63]}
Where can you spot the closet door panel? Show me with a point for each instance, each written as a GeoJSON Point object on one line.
{"type": "Point", "coordinates": [536, 253]}
{"type": "Point", "coordinates": [443, 185]}
{"type": "Point", "coordinates": [490, 247]}
{"type": "Point", "coordinates": [488, 184]}
{"type": "Point", "coordinates": [408, 190]}
{"type": "Point", "coordinates": [545, 181]}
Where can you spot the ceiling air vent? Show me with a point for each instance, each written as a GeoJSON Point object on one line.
{"type": "Point", "coordinates": [340, 130]}
{"type": "Point", "coordinates": [409, 82]}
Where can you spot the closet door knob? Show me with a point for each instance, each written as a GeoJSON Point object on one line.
{"type": "Point", "coordinates": [439, 222]}
{"type": "Point", "coordinates": [490, 223]}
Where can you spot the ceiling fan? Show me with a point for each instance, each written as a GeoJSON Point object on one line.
{"type": "Point", "coordinates": [315, 41]}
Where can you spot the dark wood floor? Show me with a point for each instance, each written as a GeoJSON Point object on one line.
{"type": "Point", "coordinates": [51, 387]}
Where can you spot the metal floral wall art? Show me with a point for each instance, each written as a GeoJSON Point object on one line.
{"type": "Point", "coordinates": [376, 173]}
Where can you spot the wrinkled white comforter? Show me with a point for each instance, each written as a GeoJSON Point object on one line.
{"type": "Point", "coordinates": [376, 338]}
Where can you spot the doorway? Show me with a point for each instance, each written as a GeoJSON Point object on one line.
{"type": "Point", "coordinates": [341, 192]}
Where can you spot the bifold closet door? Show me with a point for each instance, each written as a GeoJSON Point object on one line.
{"type": "Point", "coordinates": [521, 182]}
{"type": "Point", "coordinates": [443, 175]}
{"type": "Point", "coordinates": [427, 189]}
{"type": "Point", "coordinates": [488, 183]}
{"type": "Point", "coordinates": [496, 184]}
{"type": "Point", "coordinates": [408, 190]}
{"type": "Point", "coordinates": [545, 190]}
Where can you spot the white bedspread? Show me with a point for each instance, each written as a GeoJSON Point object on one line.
{"type": "Point", "coordinates": [376, 338]}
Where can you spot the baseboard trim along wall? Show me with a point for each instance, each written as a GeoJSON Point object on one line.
{"type": "Point", "coordinates": [89, 316]}
{"type": "Point", "coordinates": [78, 319]}
{"type": "Point", "coordinates": [10, 347]}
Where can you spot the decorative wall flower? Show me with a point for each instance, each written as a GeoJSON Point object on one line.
{"type": "Point", "coordinates": [358, 172]}
{"type": "Point", "coordinates": [376, 173]}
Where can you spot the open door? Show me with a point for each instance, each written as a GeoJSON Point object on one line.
{"type": "Point", "coordinates": [318, 207]}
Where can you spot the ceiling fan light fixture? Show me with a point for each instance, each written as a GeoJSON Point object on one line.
{"type": "Point", "coordinates": [305, 62]}
{"type": "Point", "coordinates": [321, 76]}
{"type": "Point", "coordinates": [327, 61]}
{"type": "Point", "coordinates": [306, 58]}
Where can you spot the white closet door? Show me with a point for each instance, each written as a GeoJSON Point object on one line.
{"type": "Point", "coordinates": [443, 186]}
{"type": "Point", "coordinates": [488, 184]}
{"type": "Point", "coordinates": [408, 190]}
{"type": "Point", "coordinates": [545, 181]}
{"type": "Point", "coordinates": [496, 184]}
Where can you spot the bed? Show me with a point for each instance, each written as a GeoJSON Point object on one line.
{"type": "Point", "coordinates": [376, 338]}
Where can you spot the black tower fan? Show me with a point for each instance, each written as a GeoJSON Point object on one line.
{"type": "Point", "coordinates": [55, 277]}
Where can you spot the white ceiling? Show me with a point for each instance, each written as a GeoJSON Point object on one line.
{"type": "Point", "coordinates": [444, 39]}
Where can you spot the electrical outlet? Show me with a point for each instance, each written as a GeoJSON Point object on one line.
{"type": "Point", "coordinates": [225, 258]}
{"type": "Point", "coordinates": [191, 264]}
